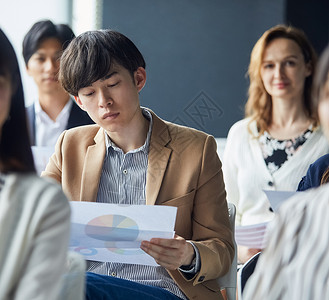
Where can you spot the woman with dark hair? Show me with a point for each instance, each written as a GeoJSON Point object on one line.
{"type": "Point", "coordinates": [34, 213]}
{"type": "Point", "coordinates": [294, 264]}
{"type": "Point", "coordinates": [280, 137]}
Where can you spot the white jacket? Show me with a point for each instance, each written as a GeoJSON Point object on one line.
{"type": "Point", "coordinates": [34, 233]}
{"type": "Point", "coordinates": [246, 174]}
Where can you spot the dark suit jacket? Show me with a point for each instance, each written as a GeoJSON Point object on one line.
{"type": "Point", "coordinates": [77, 117]}
{"type": "Point", "coordinates": [183, 171]}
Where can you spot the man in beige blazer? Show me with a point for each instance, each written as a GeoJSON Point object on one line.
{"type": "Point", "coordinates": [182, 169]}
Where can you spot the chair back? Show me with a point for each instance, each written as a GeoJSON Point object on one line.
{"type": "Point", "coordinates": [245, 272]}
{"type": "Point", "coordinates": [228, 281]}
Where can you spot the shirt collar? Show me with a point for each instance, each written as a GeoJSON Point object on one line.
{"type": "Point", "coordinates": [65, 111]}
{"type": "Point", "coordinates": [145, 148]}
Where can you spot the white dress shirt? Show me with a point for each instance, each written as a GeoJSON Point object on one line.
{"type": "Point", "coordinates": [47, 131]}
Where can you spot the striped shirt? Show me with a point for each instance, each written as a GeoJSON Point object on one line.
{"type": "Point", "coordinates": [123, 181]}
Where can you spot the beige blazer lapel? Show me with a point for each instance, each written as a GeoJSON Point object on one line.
{"type": "Point", "coordinates": [92, 168]}
{"type": "Point", "coordinates": [158, 158]}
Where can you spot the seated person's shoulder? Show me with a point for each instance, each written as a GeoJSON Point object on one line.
{"type": "Point", "coordinates": [307, 213]}
{"type": "Point", "coordinates": [314, 173]}
{"type": "Point", "coordinates": [322, 162]}
{"type": "Point", "coordinates": [189, 135]}
{"type": "Point", "coordinates": [82, 133]}
{"type": "Point", "coordinates": [241, 127]}
{"type": "Point", "coordinates": [313, 200]}
{"type": "Point", "coordinates": [38, 189]}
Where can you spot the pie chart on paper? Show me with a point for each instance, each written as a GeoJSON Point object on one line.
{"type": "Point", "coordinates": [111, 228]}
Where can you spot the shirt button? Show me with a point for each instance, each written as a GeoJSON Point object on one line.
{"type": "Point", "coordinates": [270, 183]}
{"type": "Point", "coordinates": [125, 172]}
{"type": "Point", "coordinates": [113, 274]}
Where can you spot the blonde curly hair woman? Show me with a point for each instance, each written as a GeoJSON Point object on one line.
{"type": "Point", "coordinates": [280, 137]}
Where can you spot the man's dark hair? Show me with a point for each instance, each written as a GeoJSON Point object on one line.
{"type": "Point", "coordinates": [91, 55]}
{"type": "Point", "coordinates": [15, 150]}
{"type": "Point", "coordinates": [42, 31]}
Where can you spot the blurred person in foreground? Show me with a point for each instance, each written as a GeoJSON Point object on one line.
{"type": "Point", "coordinates": [34, 213]}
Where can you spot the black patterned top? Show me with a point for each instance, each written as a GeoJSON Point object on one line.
{"type": "Point", "coordinates": [277, 152]}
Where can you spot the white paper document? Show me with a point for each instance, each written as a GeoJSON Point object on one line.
{"type": "Point", "coordinates": [276, 198]}
{"type": "Point", "coordinates": [113, 233]}
{"type": "Point", "coordinates": [251, 236]}
{"type": "Point", "coordinates": [41, 157]}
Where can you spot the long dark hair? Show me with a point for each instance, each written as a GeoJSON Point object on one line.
{"type": "Point", "coordinates": [15, 149]}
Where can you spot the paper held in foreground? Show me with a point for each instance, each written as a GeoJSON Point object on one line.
{"type": "Point", "coordinates": [113, 233]}
{"type": "Point", "coordinates": [251, 236]}
{"type": "Point", "coordinates": [276, 198]}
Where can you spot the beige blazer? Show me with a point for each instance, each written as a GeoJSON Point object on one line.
{"type": "Point", "coordinates": [183, 171]}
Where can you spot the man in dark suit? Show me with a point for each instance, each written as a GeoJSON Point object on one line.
{"type": "Point", "coordinates": [54, 110]}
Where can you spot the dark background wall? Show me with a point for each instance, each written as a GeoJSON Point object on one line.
{"type": "Point", "coordinates": [197, 53]}
{"type": "Point", "coordinates": [312, 17]}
